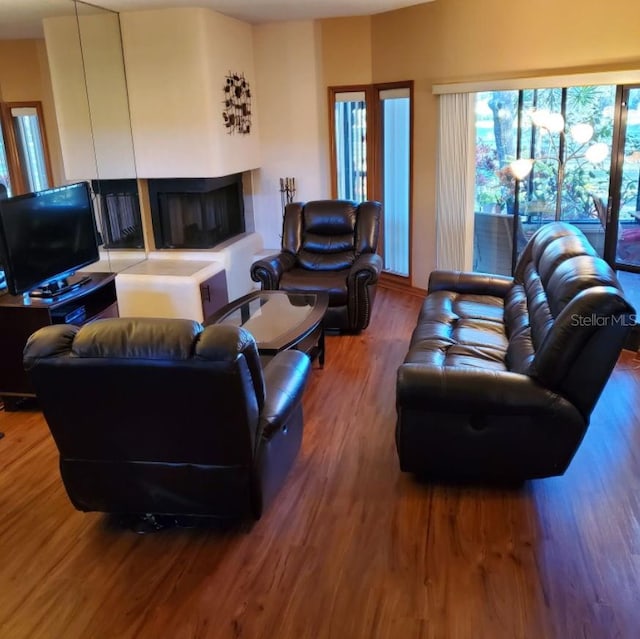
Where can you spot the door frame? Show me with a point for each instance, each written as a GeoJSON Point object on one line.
{"type": "Point", "coordinates": [615, 180]}
{"type": "Point", "coordinates": [374, 157]}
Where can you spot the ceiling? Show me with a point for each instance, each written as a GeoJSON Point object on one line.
{"type": "Point", "coordinates": [22, 18]}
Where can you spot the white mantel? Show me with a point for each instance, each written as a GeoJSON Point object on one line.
{"type": "Point", "coordinates": [177, 61]}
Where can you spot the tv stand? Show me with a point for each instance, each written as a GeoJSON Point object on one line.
{"type": "Point", "coordinates": [59, 287]}
{"type": "Point", "coordinates": [85, 299]}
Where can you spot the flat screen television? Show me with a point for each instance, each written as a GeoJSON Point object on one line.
{"type": "Point", "coordinates": [45, 237]}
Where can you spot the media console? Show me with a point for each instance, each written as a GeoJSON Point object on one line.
{"type": "Point", "coordinates": [22, 315]}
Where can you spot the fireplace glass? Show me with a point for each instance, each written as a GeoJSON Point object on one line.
{"type": "Point", "coordinates": [196, 213]}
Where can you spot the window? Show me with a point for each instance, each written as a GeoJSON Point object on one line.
{"type": "Point", "coordinates": [350, 135]}
{"type": "Point", "coordinates": [4, 167]}
{"type": "Point", "coordinates": [371, 159]}
{"type": "Point", "coordinates": [565, 179]}
{"type": "Point", "coordinates": [24, 160]}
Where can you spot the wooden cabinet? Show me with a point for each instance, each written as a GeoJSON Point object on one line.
{"type": "Point", "coordinates": [213, 293]}
{"type": "Point", "coordinates": [20, 316]}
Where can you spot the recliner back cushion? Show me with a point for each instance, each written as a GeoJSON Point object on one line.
{"type": "Point", "coordinates": [154, 339]}
{"type": "Point", "coordinates": [559, 263]}
{"type": "Point", "coordinates": [559, 251]}
{"type": "Point", "coordinates": [190, 395]}
{"type": "Point", "coordinates": [573, 276]}
{"type": "Point", "coordinates": [566, 285]}
{"type": "Point", "coordinates": [328, 235]}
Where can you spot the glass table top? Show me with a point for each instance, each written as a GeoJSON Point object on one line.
{"type": "Point", "coordinates": [270, 315]}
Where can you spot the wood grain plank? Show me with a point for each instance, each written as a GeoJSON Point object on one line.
{"type": "Point", "coordinates": [351, 547]}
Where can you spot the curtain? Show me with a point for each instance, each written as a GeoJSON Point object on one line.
{"type": "Point", "coordinates": [455, 182]}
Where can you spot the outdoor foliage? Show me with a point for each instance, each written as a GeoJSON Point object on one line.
{"type": "Point", "coordinates": [496, 131]}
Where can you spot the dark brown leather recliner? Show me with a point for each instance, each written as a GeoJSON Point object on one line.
{"type": "Point", "coordinates": [161, 416]}
{"type": "Point", "coordinates": [503, 372]}
{"type": "Point", "coordinates": [329, 245]}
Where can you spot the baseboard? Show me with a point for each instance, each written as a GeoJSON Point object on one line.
{"type": "Point", "coordinates": [394, 285]}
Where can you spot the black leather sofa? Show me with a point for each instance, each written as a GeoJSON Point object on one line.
{"type": "Point", "coordinates": [329, 245]}
{"type": "Point", "coordinates": [502, 373]}
{"type": "Point", "coordinates": [163, 417]}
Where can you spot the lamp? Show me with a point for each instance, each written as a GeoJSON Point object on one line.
{"type": "Point", "coordinates": [581, 133]}
{"type": "Point", "coordinates": [521, 168]}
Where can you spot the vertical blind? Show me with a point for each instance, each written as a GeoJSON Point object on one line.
{"type": "Point", "coordinates": [454, 182]}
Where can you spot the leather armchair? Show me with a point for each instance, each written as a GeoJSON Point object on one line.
{"type": "Point", "coordinates": [329, 245]}
{"type": "Point", "coordinates": [161, 416]}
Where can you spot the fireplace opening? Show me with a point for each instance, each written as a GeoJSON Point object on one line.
{"type": "Point", "coordinates": [196, 213]}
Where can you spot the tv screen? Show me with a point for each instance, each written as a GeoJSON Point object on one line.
{"type": "Point", "coordinates": [46, 236]}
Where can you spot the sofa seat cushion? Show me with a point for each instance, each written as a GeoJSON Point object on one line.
{"type": "Point", "coordinates": [333, 282]}
{"type": "Point", "coordinates": [460, 329]}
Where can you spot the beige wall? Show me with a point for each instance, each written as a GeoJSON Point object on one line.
{"type": "Point", "coordinates": [24, 76]}
{"type": "Point", "coordinates": [293, 120]}
{"type": "Point", "coordinates": [463, 40]}
{"type": "Point", "coordinates": [346, 51]}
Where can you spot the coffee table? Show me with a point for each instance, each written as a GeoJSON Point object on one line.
{"type": "Point", "coordinates": [279, 320]}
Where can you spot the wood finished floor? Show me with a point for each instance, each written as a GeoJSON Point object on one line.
{"type": "Point", "coordinates": [352, 548]}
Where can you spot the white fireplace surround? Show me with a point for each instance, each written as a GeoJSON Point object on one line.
{"type": "Point", "coordinates": [162, 284]}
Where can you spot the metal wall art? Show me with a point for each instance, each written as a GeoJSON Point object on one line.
{"type": "Point", "coordinates": [237, 104]}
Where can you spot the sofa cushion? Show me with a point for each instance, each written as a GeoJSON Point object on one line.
{"type": "Point", "coordinates": [458, 329]}
{"type": "Point", "coordinates": [333, 282]}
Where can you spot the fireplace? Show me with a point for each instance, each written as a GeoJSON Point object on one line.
{"type": "Point", "coordinates": [196, 213]}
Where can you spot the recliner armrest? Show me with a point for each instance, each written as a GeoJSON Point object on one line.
{"type": "Point", "coordinates": [368, 264]}
{"type": "Point", "coordinates": [49, 341]}
{"type": "Point", "coordinates": [285, 378]}
{"type": "Point", "coordinates": [269, 270]}
{"type": "Point", "coordinates": [468, 390]}
{"type": "Point", "coordinates": [471, 283]}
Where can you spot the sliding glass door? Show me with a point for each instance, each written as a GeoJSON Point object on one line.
{"type": "Point", "coordinates": [622, 208]}
{"type": "Point", "coordinates": [565, 139]}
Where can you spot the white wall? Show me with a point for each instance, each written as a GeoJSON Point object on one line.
{"type": "Point", "coordinates": [293, 120]}
{"type": "Point", "coordinates": [177, 61]}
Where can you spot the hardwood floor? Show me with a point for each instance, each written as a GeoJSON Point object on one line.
{"type": "Point", "coordinates": [351, 548]}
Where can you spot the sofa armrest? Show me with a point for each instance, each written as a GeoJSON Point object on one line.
{"type": "Point", "coordinates": [269, 270]}
{"type": "Point", "coordinates": [285, 378]}
{"type": "Point", "coordinates": [470, 283]}
{"type": "Point", "coordinates": [469, 390]}
{"type": "Point", "coordinates": [368, 266]}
